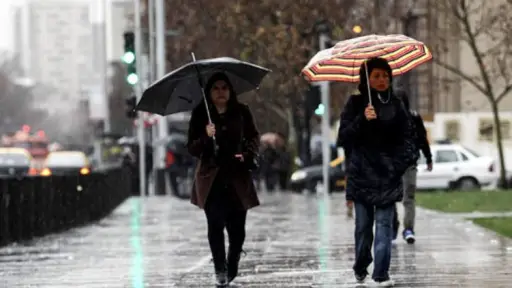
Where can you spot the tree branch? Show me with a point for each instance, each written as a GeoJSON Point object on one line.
{"type": "Point", "coordinates": [476, 52]}
{"type": "Point", "coordinates": [504, 92]}
{"type": "Point", "coordinates": [462, 75]}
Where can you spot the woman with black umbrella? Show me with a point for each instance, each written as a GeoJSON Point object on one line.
{"type": "Point", "coordinates": [223, 185]}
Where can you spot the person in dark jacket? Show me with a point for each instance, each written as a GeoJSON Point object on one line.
{"type": "Point", "coordinates": [381, 147]}
{"type": "Point", "coordinates": [223, 184]}
{"type": "Point", "coordinates": [346, 150]}
{"type": "Point", "coordinates": [409, 179]}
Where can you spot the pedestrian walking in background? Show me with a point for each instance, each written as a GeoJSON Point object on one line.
{"type": "Point", "coordinates": [378, 134]}
{"type": "Point", "coordinates": [223, 184]}
{"type": "Point", "coordinates": [346, 150]}
{"type": "Point", "coordinates": [409, 179]}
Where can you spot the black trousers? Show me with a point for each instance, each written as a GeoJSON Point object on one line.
{"type": "Point", "coordinates": [224, 210]}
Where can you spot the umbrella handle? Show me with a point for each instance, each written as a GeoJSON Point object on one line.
{"type": "Point", "coordinates": [215, 147]}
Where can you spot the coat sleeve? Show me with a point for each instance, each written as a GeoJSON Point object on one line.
{"type": "Point", "coordinates": [198, 141]}
{"type": "Point", "coordinates": [251, 134]}
{"type": "Point", "coordinates": [350, 123]}
{"type": "Point", "coordinates": [422, 139]}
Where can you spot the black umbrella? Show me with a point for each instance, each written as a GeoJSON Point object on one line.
{"type": "Point", "coordinates": [182, 89]}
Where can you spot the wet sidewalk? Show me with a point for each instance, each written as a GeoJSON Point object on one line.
{"type": "Point", "coordinates": [292, 241]}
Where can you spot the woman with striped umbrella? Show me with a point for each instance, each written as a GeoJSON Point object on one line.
{"type": "Point", "coordinates": [377, 131]}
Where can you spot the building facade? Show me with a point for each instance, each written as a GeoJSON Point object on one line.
{"type": "Point", "coordinates": [52, 41]}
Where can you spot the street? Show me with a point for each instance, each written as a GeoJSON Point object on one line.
{"type": "Point", "coordinates": [292, 241]}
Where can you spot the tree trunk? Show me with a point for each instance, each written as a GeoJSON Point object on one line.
{"type": "Point", "coordinates": [497, 123]}
{"type": "Point", "coordinates": [292, 135]}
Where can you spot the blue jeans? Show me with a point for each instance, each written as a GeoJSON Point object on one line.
{"type": "Point", "coordinates": [365, 216]}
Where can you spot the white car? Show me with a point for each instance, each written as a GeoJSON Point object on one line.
{"type": "Point", "coordinates": [456, 167]}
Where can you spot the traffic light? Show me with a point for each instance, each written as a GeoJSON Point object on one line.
{"type": "Point", "coordinates": [320, 109]}
{"type": "Point", "coordinates": [129, 58]}
{"type": "Point", "coordinates": [314, 101]}
{"type": "Point", "coordinates": [130, 107]}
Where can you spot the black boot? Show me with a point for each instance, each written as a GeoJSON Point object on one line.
{"type": "Point", "coordinates": [221, 279]}
{"type": "Point", "coordinates": [233, 261]}
{"type": "Point", "coordinates": [221, 275]}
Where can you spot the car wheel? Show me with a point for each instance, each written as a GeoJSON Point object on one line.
{"type": "Point", "coordinates": [467, 184]}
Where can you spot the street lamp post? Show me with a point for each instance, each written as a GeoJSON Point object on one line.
{"type": "Point", "coordinates": [323, 30]}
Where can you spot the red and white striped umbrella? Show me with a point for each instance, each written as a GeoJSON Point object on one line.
{"type": "Point", "coordinates": [343, 61]}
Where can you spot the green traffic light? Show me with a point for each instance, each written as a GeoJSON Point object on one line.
{"type": "Point", "coordinates": [132, 78]}
{"type": "Point", "coordinates": [128, 57]}
{"type": "Point", "coordinates": [320, 109]}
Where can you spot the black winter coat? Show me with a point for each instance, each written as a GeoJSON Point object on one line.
{"type": "Point", "coordinates": [379, 151]}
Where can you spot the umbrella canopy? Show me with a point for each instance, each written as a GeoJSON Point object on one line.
{"type": "Point", "coordinates": [180, 90]}
{"type": "Point", "coordinates": [342, 62]}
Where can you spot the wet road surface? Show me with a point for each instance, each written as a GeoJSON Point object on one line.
{"type": "Point", "coordinates": [292, 241]}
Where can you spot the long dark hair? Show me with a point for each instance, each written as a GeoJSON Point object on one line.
{"type": "Point", "coordinates": [233, 99]}
{"type": "Point", "coordinates": [200, 109]}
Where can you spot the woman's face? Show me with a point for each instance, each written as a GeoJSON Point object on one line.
{"type": "Point", "coordinates": [220, 92]}
{"type": "Point", "coordinates": [379, 79]}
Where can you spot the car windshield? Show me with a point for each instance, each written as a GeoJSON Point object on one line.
{"type": "Point", "coordinates": [25, 145]}
{"type": "Point", "coordinates": [471, 152]}
{"type": "Point", "coordinates": [42, 145]}
{"type": "Point", "coordinates": [14, 160]}
{"type": "Point", "coordinates": [30, 145]}
{"type": "Point", "coordinates": [68, 160]}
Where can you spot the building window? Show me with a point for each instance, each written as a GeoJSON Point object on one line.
{"type": "Point", "coordinates": [487, 132]}
{"type": "Point", "coordinates": [452, 128]}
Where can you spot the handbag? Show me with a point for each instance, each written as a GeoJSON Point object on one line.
{"type": "Point", "coordinates": [252, 163]}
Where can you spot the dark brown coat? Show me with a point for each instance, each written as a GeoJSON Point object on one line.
{"type": "Point", "coordinates": [201, 146]}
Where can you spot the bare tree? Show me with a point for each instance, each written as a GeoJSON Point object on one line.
{"type": "Point", "coordinates": [279, 35]}
{"type": "Point", "coordinates": [485, 29]}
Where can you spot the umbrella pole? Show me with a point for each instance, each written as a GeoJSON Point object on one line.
{"type": "Point", "coordinates": [205, 102]}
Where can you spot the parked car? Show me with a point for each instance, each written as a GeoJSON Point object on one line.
{"type": "Point", "coordinates": [16, 162]}
{"type": "Point", "coordinates": [456, 167]}
{"type": "Point", "coordinates": [66, 163]}
{"type": "Point", "coordinates": [309, 177]}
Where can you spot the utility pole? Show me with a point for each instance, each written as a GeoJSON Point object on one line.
{"type": "Point", "coordinates": [323, 39]}
{"type": "Point", "coordinates": [138, 94]}
{"type": "Point", "coordinates": [151, 18]}
{"type": "Point", "coordinates": [160, 58]}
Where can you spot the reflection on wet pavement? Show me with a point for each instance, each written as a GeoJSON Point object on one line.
{"type": "Point", "coordinates": [292, 241]}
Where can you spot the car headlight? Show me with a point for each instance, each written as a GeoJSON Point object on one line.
{"type": "Point", "coordinates": [299, 175]}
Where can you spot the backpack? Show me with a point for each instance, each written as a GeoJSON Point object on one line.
{"type": "Point", "coordinates": [412, 138]}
